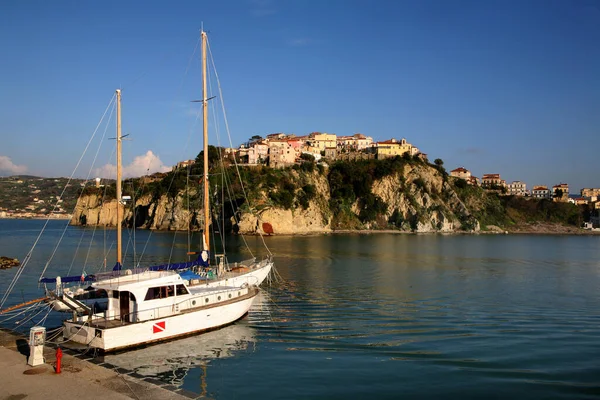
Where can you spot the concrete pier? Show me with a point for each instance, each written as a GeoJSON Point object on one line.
{"type": "Point", "coordinates": [80, 378]}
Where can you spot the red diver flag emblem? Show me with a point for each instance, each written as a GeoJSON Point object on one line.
{"type": "Point", "coordinates": [158, 327]}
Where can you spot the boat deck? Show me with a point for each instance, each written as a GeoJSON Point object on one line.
{"type": "Point", "coordinates": [102, 323]}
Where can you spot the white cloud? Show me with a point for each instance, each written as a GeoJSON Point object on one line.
{"type": "Point", "coordinates": [146, 164]}
{"type": "Point", "coordinates": [8, 167]}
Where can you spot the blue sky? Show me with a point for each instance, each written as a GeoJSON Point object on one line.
{"type": "Point", "coordinates": [509, 87]}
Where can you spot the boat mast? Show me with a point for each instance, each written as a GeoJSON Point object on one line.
{"type": "Point", "coordinates": [205, 129]}
{"type": "Point", "coordinates": [119, 212]}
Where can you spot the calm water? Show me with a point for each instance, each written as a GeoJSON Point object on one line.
{"type": "Point", "coordinates": [380, 316]}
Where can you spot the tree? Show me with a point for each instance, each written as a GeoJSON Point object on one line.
{"type": "Point", "coordinates": [255, 138]}
{"type": "Point", "coordinates": [213, 157]}
{"type": "Point", "coordinates": [439, 162]}
{"type": "Point", "coordinates": [307, 157]}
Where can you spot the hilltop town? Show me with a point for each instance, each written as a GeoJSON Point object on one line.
{"type": "Point", "coordinates": [32, 197]}
{"type": "Point", "coordinates": [559, 192]}
{"type": "Point", "coordinates": [281, 150]}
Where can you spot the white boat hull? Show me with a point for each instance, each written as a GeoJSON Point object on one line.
{"type": "Point", "coordinates": [253, 277]}
{"type": "Point", "coordinates": [128, 335]}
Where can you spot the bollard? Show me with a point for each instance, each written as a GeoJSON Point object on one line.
{"type": "Point", "coordinates": [58, 359]}
{"type": "Point", "coordinates": [37, 337]}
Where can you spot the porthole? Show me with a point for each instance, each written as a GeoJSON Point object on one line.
{"type": "Point", "coordinates": [229, 295]}
{"type": "Point", "coordinates": [206, 300]}
{"type": "Point", "coordinates": [193, 302]}
{"type": "Point", "coordinates": [219, 298]}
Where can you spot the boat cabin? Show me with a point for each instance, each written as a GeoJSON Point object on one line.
{"type": "Point", "coordinates": [143, 296]}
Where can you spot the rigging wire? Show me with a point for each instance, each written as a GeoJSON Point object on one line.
{"type": "Point", "coordinates": [230, 141]}
{"type": "Point", "coordinates": [185, 146]}
{"type": "Point", "coordinates": [112, 102]}
{"type": "Point", "coordinates": [29, 254]}
{"type": "Point", "coordinates": [87, 179]}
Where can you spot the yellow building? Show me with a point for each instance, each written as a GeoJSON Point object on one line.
{"type": "Point", "coordinates": [561, 192]}
{"type": "Point", "coordinates": [590, 192]}
{"type": "Point", "coordinates": [392, 147]}
{"type": "Point", "coordinates": [322, 140]}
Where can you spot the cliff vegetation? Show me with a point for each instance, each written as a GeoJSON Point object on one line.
{"type": "Point", "coordinates": [400, 193]}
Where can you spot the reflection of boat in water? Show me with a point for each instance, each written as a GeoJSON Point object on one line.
{"type": "Point", "coordinates": [171, 361]}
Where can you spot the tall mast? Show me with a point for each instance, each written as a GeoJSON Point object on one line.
{"type": "Point", "coordinates": [205, 129]}
{"type": "Point", "coordinates": [119, 211]}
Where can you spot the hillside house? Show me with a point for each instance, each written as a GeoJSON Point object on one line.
{"type": "Point", "coordinates": [517, 188]}
{"type": "Point", "coordinates": [258, 153]}
{"type": "Point", "coordinates": [356, 142]}
{"type": "Point", "coordinates": [320, 140]}
{"type": "Point", "coordinates": [492, 180]}
{"type": "Point", "coordinates": [281, 153]}
{"type": "Point", "coordinates": [461, 173]}
{"type": "Point", "coordinates": [392, 148]}
{"type": "Point", "coordinates": [473, 180]}
{"type": "Point", "coordinates": [560, 192]}
{"type": "Point", "coordinates": [590, 192]}
{"type": "Point", "coordinates": [184, 164]}
{"type": "Point", "coordinates": [540, 192]}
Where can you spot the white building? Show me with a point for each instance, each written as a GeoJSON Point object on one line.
{"type": "Point", "coordinates": [517, 188]}
{"type": "Point", "coordinates": [541, 192]}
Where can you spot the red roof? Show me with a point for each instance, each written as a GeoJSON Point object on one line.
{"type": "Point", "coordinates": [391, 141]}
{"type": "Point", "coordinates": [460, 169]}
{"type": "Point", "coordinates": [491, 176]}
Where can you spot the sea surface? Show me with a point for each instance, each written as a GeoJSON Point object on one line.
{"type": "Point", "coordinates": [379, 316]}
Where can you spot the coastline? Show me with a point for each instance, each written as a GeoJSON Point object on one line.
{"type": "Point", "coordinates": [524, 229]}
{"type": "Point", "coordinates": [36, 216]}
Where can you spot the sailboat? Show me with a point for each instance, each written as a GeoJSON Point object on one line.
{"type": "Point", "coordinates": [196, 272]}
{"type": "Point", "coordinates": [158, 303]}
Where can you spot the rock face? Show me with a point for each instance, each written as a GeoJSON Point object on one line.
{"type": "Point", "coordinates": [160, 214]}
{"type": "Point", "coordinates": [286, 222]}
{"type": "Point", "coordinates": [420, 199]}
{"type": "Point", "coordinates": [425, 201]}
{"type": "Point", "coordinates": [7, 262]}
{"type": "Point", "coordinates": [315, 218]}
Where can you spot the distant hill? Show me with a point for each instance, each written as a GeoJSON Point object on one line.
{"type": "Point", "coordinates": [38, 196]}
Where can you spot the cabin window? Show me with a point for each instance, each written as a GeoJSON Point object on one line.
{"type": "Point", "coordinates": [161, 292]}
{"type": "Point", "coordinates": [115, 294]}
{"type": "Point", "coordinates": [181, 290]}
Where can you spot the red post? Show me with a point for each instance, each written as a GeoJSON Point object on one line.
{"type": "Point", "coordinates": [58, 359]}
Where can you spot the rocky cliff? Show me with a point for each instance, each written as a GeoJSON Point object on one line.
{"type": "Point", "coordinates": [423, 200]}
{"type": "Point", "coordinates": [415, 196]}
{"type": "Point", "coordinates": [159, 213]}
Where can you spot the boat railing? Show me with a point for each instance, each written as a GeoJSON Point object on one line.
{"type": "Point", "coordinates": [110, 318]}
